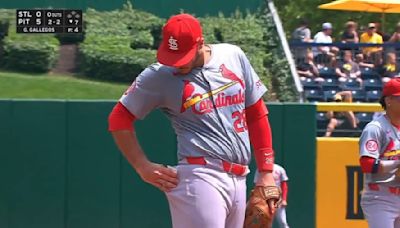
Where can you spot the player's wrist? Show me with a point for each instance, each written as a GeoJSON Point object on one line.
{"type": "Point", "coordinates": [140, 165]}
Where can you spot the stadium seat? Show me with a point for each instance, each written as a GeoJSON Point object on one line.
{"type": "Point", "coordinates": [351, 84]}
{"type": "Point", "coordinates": [358, 96]}
{"type": "Point", "coordinates": [327, 72]}
{"type": "Point", "coordinates": [314, 95]}
{"type": "Point", "coordinates": [372, 84]}
{"type": "Point", "coordinates": [368, 73]}
{"type": "Point", "coordinates": [310, 84]}
{"type": "Point", "coordinates": [364, 118]}
{"type": "Point", "coordinates": [322, 123]}
{"type": "Point", "coordinates": [373, 95]}
{"type": "Point", "coordinates": [330, 84]}
{"type": "Point", "coordinates": [329, 95]}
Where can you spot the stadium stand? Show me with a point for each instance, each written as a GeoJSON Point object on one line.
{"type": "Point", "coordinates": [364, 87]}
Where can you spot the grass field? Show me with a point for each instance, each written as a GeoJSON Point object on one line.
{"type": "Point", "coordinates": [44, 86]}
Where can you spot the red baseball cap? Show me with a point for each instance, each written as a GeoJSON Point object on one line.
{"type": "Point", "coordinates": [181, 35]}
{"type": "Point", "coordinates": [392, 88]}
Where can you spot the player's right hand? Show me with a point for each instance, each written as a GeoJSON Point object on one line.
{"type": "Point", "coordinates": [159, 176]}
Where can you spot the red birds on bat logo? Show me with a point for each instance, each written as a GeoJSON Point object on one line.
{"type": "Point", "coordinates": [226, 73]}
{"type": "Point", "coordinates": [187, 92]}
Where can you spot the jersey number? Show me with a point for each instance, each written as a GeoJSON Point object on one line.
{"type": "Point", "coordinates": [239, 124]}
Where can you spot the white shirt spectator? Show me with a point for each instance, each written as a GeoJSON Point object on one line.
{"type": "Point", "coordinates": [321, 37]}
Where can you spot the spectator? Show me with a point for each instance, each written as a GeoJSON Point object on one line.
{"type": "Point", "coordinates": [396, 35]}
{"type": "Point", "coordinates": [301, 34]}
{"type": "Point", "coordinates": [385, 36]}
{"type": "Point", "coordinates": [308, 69]}
{"type": "Point", "coordinates": [350, 34]}
{"type": "Point", "coordinates": [395, 38]}
{"type": "Point", "coordinates": [341, 120]}
{"type": "Point", "coordinates": [348, 68]}
{"type": "Point", "coordinates": [370, 36]}
{"type": "Point", "coordinates": [390, 69]}
{"type": "Point", "coordinates": [324, 54]}
{"type": "Point", "coordinates": [363, 64]}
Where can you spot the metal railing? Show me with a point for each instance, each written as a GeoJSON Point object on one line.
{"type": "Point", "coordinates": [342, 107]}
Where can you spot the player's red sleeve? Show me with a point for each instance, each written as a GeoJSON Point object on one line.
{"type": "Point", "coordinates": [120, 118]}
{"type": "Point", "coordinates": [369, 164]}
{"type": "Point", "coordinates": [260, 135]}
{"type": "Point", "coordinates": [284, 188]}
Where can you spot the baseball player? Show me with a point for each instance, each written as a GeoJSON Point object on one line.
{"type": "Point", "coordinates": [379, 159]}
{"type": "Point", "coordinates": [213, 99]}
{"type": "Point", "coordinates": [281, 179]}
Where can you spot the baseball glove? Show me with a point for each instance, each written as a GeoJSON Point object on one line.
{"type": "Point", "coordinates": [258, 213]}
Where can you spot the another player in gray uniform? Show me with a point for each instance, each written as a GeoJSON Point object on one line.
{"type": "Point", "coordinates": [379, 159]}
{"type": "Point", "coordinates": [213, 99]}
{"type": "Point", "coordinates": [281, 180]}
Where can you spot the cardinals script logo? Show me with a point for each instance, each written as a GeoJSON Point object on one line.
{"type": "Point", "coordinates": [200, 103]}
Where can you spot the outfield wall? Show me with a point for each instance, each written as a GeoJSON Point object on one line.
{"type": "Point", "coordinates": [59, 167]}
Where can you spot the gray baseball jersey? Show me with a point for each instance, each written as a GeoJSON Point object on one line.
{"type": "Point", "coordinates": [205, 106]}
{"type": "Point", "coordinates": [381, 140]}
{"type": "Point", "coordinates": [279, 174]}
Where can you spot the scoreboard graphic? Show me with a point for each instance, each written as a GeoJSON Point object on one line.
{"type": "Point", "coordinates": [49, 21]}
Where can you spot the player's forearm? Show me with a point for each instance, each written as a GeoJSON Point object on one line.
{"type": "Point", "coordinates": [260, 136]}
{"type": "Point", "coordinates": [129, 146]}
{"type": "Point", "coordinates": [120, 124]}
{"type": "Point", "coordinates": [373, 165]}
{"type": "Point", "coordinates": [285, 189]}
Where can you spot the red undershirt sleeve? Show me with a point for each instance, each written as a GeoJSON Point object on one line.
{"type": "Point", "coordinates": [120, 118]}
{"type": "Point", "coordinates": [284, 188]}
{"type": "Point", "coordinates": [260, 135]}
{"type": "Point", "coordinates": [369, 164]}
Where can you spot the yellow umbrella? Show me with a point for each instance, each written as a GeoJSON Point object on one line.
{"type": "Point", "coordinates": [372, 6]}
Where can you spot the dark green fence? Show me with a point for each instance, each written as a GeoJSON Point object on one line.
{"type": "Point", "coordinates": [59, 167]}
{"type": "Point", "coordinates": [162, 8]}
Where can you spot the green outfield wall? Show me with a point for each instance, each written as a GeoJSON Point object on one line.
{"type": "Point", "coordinates": [59, 167]}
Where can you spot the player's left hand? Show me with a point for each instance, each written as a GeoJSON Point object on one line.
{"type": "Point", "coordinates": [284, 203]}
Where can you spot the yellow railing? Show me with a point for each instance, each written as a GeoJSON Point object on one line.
{"type": "Point", "coordinates": [355, 107]}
